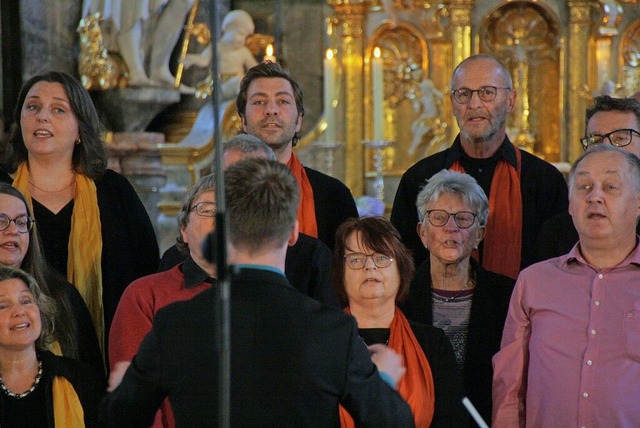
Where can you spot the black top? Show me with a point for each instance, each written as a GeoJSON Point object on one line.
{"type": "Point", "coordinates": [447, 378]}
{"type": "Point", "coordinates": [129, 245]}
{"type": "Point", "coordinates": [489, 307]}
{"type": "Point", "coordinates": [293, 360]}
{"type": "Point", "coordinates": [36, 410]}
{"type": "Point", "coordinates": [333, 203]}
{"type": "Point", "coordinates": [543, 188]}
{"type": "Point", "coordinates": [307, 267]}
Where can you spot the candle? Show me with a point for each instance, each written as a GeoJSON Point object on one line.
{"type": "Point", "coordinates": [377, 81]}
{"type": "Point", "coordinates": [269, 56]}
{"type": "Point", "coordinates": [330, 67]}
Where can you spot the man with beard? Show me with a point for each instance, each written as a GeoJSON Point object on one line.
{"type": "Point", "coordinates": [524, 191]}
{"type": "Point", "coordinates": [270, 105]}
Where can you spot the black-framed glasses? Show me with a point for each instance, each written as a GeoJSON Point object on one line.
{"type": "Point", "coordinates": [23, 223]}
{"type": "Point", "coordinates": [618, 138]}
{"type": "Point", "coordinates": [357, 261]}
{"type": "Point", "coordinates": [204, 209]}
{"type": "Point", "coordinates": [464, 219]}
{"type": "Point", "coordinates": [485, 93]}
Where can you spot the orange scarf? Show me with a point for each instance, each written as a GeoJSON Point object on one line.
{"type": "Point", "coordinates": [503, 237]}
{"type": "Point", "coordinates": [416, 386]}
{"type": "Point", "coordinates": [306, 207]}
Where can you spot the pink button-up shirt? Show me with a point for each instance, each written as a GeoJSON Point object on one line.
{"type": "Point", "coordinates": [570, 351]}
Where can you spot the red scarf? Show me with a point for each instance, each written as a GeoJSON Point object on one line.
{"type": "Point", "coordinates": [416, 386]}
{"type": "Point", "coordinates": [503, 236]}
{"type": "Point", "coordinates": [306, 207]}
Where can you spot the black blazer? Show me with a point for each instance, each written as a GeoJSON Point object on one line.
{"type": "Point", "coordinates": [333, 203]}
{"type": "Point", "coordinates": [488, 313]}
{"type": "Point", "coordinates": [292, 361]}
{"type": "Point", "coordinates": [307, 267]}
{"type": "Point", "coordinates": [447, 378]}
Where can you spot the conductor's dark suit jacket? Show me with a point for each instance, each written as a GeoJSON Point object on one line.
{"type": "Point", "coordinates": [292, 361]}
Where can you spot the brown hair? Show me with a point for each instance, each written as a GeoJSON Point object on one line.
{"type": "Point", "coordinates": [379, 235]}
{"type": "Point", "coordinates": [89, 156]}
{"type": "Point", "coordinates": [269, 70]}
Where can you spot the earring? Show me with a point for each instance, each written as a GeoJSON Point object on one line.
{"type": "Point", "coordinates": [78, 141]}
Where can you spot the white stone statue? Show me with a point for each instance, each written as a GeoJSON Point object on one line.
{"type": "Point", "coordinates": [428, 121]}
{"type": "Point", "coordinates": [143, 32]}
{"type": "Point", "coordinates": [234, 56]}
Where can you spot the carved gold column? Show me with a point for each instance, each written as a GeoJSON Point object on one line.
{"type": "Point", "coordinates": [460, 13]}
{"type": "Point", "coordinates": [350, 15]}
{"type": "Point", "coordinates": [577, 73]}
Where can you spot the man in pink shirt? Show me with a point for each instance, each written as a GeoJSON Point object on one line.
{"type": "Point", "coordinates": [570, 352]}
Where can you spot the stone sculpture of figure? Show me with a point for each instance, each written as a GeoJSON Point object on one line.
{"type": "Point", "coordinates": [427, 107]}
{"type": "Point", "coordinates": [143, 32]}
{"type": "Point", "coordinates": [234, 55]}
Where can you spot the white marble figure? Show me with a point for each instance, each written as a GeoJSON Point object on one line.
{"type": "Point", "coordinates": [429, 112]}
{"type": "Point", "coordinates": [126, 25]}
{"type": "Point", "coordinates": [234, 55]}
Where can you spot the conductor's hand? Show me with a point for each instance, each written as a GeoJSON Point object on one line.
{"type": "Point", "coordinates": [387, 361]}
{"type": "Point", "coordinates": [116, 375]}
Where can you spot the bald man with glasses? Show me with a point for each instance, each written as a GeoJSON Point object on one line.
{"type": "Point", "coordinates": [524, 191]}
{"type": "Point", "coordinates": [614, 121]}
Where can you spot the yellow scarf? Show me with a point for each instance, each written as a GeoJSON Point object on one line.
{"type": "Point", "coordinates": [67, 409]}
{"type": "Point", "coordinates": [84, 265]}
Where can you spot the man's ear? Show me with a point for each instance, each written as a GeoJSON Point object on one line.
{"type": "Point", "coordinates": [295, 232]}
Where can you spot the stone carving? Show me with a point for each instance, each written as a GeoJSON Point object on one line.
{"type": "Point", "coordinates": [429, 126]}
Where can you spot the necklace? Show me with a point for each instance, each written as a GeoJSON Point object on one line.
{"type": "Point", "coordinates": [27, 392]}
{"type": "Point", "coordinates": [460, 293]}
{"type": "Point", "coordinates": [54, 191]}
{"type": "Point", "coordinates": [465, 291]}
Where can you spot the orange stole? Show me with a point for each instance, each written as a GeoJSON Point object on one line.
{"type": "Point", "coordinates": [416, 386]}
{"type": "Point", "coordinates": [503, 237]}
{"type": "Point", "coordinates": [306, 207]}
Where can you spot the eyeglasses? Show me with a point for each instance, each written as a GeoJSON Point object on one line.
{"type": "Point", "coordinates": [485, 93]}
{"type": "Point", "coordinates": [464, 219]}
{"type": "Point", "coordinates": [357, 261]}
{"type": "Point", "coordinates": [23, 223]}
{"type": "Point", "coordinates": [618, 138]}
{"type": "Point", "coordinates": [204, 209]}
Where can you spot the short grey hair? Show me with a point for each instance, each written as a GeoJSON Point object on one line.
{"type": "Point", "coordinates": [247, 143]}
{"type": "Point", "coordinates": [205, 184]}
{"type": "Point", "coordinates": [632, 160]}
{"type": "Point", "coordinates": [454, 183]}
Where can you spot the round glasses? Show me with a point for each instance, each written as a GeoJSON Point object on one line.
{"type": "Point", "coordinates": [204, 209]}
{"type": "Point", "coordinates": [485, 93]}
{"type": "Point", "coordinates": [357, 261]}
{"type": "Point", "coordinates": [23, 223]}
{"type": "Point", "coordinates": [464, 219]}
{"type": "Point", "coordinates": [618, 138]}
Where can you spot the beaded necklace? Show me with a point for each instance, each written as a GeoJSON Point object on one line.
{"type": "Point", "coordinates": [27, 392]}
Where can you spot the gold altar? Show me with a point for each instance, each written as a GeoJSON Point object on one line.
{"type": "Point", "coordinates": [560, 53]}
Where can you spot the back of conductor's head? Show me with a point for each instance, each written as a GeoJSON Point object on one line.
{"type": "Point", "coordinates": [262, 202]}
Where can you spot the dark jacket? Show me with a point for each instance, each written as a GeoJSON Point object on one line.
{"type": "Point", "coordinates": [292, 361]}
{"type": "Point", "coordinates": [333, 202]}
{"type": "Point", "coordinates": [543, 188]}
{"type": "Point", "coordinates": [488, 314]}
{"type": "Point", "coordinates": [307, 267]}
{"type": "Point", "coordinates": [447, 377]}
